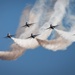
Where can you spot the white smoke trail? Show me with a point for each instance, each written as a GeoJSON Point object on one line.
{"type": "Point", "coordinates": [33, 16]}
{"type": "Point", "coordinates": [27, 16]}
{"type": "Point", "coordinates": [30, 43]}
{"type": "Point", "coordinates": [36, 12]}
{"type": "Point", "coordinates": [56, 18]}
{"type": "Point", "coordinates": [15, 52]}
{"type": "Point", "coordinates": [55, 44]}
{"type": "Point", "coordinates": [59, 12]}
{"type": "Point", "coordinates": [70, 36]}
{"type": "Point", "coordinates": [26, 43]}
{"type": "Point", "coordinates": [47, 12]}
{"type": "Point", "coordinates": [67, 35]}
{"type": "Point", "coordinates": [69, 18]}
{"type": "Point", "coordinates": [72, 22]}
{"type": "Point", "coordinates": [24, 18]}
{"type": "Point", "coordinates": [40, 9]}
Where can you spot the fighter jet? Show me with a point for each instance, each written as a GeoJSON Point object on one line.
{"type": "Point", "coordinates": [28, 25]}
{"type": "Point", "coordinates": [52, 27]}
{"type": "Point", "coordinates": [33, 36]}
{"type": "Point", "coordinates": [9, 36]}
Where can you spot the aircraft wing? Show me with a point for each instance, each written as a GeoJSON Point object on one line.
{"type": "Point", "coordinates": [31, 24]}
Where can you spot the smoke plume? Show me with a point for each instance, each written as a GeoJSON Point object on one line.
{"type": "Point", "coordinates": [56, 44]}
{"type": "Point", "coordinates": [43, 13]}
{"type": "Point", "coordinates": [70, 36]}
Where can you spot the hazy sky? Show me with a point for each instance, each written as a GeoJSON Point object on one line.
{"type": "Point", "coordinates": [33, 62]}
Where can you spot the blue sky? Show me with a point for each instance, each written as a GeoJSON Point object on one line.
{"type": "Point", "coordinates": [33, 62]}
